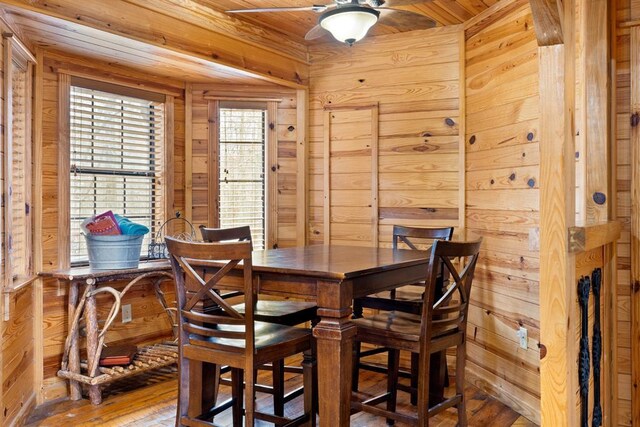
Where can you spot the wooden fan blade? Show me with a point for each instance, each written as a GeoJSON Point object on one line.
{"type": "Point", "coordinates": [315, 33]}
{"type": "Point", "coordinates": [404, 20]}
{"type": "Point", "coordinates": [392, 3]}
{"type": "Point", "coordinates": [315, 8]}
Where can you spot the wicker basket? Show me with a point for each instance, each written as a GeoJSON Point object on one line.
{"type": "Point", "coordinates": [158, 248]}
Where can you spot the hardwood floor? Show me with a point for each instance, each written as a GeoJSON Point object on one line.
{"type": "Point", "coordinates": [149, 400]}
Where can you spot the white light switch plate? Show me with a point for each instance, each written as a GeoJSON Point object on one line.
{"type": "Point", "coordinates": [126, 313]}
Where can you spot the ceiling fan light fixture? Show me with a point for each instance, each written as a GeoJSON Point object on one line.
{"type": "Point", "coordinates": [349, 24]}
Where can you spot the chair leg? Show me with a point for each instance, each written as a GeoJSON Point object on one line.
{"type": "Point", "coordinates": [249, 397]}
{"type": "Point", "coordinates": [309, 372]}
{"type": "Point", "coordinates": [415, 363]}
{"type": "Point", "coordinates": [460, 383]}
{"type": "Point", "coordinates": [423, 391]}
{"type": "Point", "coordinates": [236, 394]}
{"type": "Point", "coordinates": [393, 366]}
{"type": "Point", "coordinates": [355, 373]}
{"type": "Point", "coordinates": [183, 390]}
{"type": "Point", "coordinates": [278, 387]}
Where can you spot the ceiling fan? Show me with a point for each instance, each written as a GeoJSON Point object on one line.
{"type": "Point", "coordinates": [349, 20]}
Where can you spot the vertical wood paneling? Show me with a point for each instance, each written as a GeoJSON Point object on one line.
{"type": "Point", "coordinates": [502, 143]}
{"type": "Point", "coordinates": [418, 133]}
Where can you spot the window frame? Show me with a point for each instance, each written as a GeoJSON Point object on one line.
{"type": "Point", "coordinates": [16, 55]}
{"type": "Point", "coordinates": [66, 80]}
{"type": "Point", "coordinates": [271, 160]}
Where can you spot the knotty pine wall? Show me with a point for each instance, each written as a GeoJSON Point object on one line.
{"type": "Point", "coordinates": [17, 397]}
{"type": "Point", "coordinates": [285, 173]}
{"type": "Point", "coordinates": [628, 11]}
{"type": "Point", "coordinates": [502, 196]}
{"type": "Point", "coordinates": [412, 80]}
{"type": "Point", "coordinates": [149, 320]}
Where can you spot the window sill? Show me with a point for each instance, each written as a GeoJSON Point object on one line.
{"type": "Point", "coordinates": [19, 284]}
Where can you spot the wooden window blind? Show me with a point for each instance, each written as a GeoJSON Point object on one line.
{"type": "Point", "coordinates": [116, 158]}
{"type": "Point", "coordinates": [242, 143]}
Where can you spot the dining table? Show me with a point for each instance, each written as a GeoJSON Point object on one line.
{"type": "Point", "coordinates": [332, 275]}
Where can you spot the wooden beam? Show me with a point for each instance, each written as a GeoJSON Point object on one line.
{"type": "Point", "coordinates": [491, 15]}
{"type": "Point", "coordinates": [557, 214]}
{"type": "Point", "coordinates": [582, 239]}
{"type": "Point", "coordinates": [596, 108]}
{"type": "Point", "coordinates": [547, 18]}
{"type": "Point", "coordinates": [635, 228]}
{"type": "Point", "coordinates": [200, 14]}
{"type": "Point", "coordinates": [172, 32]}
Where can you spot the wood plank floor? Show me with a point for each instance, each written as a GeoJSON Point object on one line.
{"type": "Point", "coordinates": [150, 399]}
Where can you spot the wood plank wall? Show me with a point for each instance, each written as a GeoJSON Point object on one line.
{"type": "Point", "coordinates": [285, 165]}
{"type": "Point", "coordinates": [628, 11]}
{"type": "Point", "coordinates": [413, 78]}
{"type": "Point", "coordinates": [17, 396]}
{"type": "Point", "coordinates": [149, 321]}
{"type": "Point", "coordinates": [502, 185]}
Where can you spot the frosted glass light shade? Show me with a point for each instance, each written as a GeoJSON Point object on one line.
{"type": "Point", "coordinates": [349, 24]}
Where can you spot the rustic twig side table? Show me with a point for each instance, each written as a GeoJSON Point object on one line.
{"type": "Point", "coordinates": [84, 306]}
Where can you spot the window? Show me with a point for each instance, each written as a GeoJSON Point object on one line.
{"type": "Point", "coordinates": [116, 159]}
{"type": "Point", "coordinates": [241, 170]}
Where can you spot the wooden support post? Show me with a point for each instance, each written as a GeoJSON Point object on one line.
{"type": "Point", "coordinates": [595, 125]}
{"type": "Point", "coordinates": [557, 213]}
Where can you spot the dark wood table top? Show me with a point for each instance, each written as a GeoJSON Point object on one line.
{"type": "Point", "coordinates": [335, 262]}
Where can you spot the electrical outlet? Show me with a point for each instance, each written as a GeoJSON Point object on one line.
{"type": "Point", "coordinates": [522, 334]}
{"type": "Point", "coordinates": [126, 313]}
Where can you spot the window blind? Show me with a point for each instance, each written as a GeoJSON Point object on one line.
{"type": "Point", "coordinates": [242, 176]}
{"type": "Point", "coordinates": [116, 161]}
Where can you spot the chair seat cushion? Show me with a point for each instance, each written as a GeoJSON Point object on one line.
{"type": "Point", "coordinates": [266, 335]}
{"type": "Point", "coordinates": [289, 313]}
{"type": "Point", "coordinates": [395, 325]}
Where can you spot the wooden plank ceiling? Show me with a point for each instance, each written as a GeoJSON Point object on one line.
{"type": "Point", "coordinates": [296, 24]}
{"type": "Point", "coordinates": [194, 40]}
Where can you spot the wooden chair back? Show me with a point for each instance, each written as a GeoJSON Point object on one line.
{"type": "Point", "coordinates": [241, 234]}
{"type": "Point", "coordinates": [448, 313]}
{"type": "Point", "coordinates": [221, 322]}
{"type": "Point", "coordinates": [414, 237]}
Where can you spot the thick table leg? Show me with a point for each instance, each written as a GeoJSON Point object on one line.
{"type": "Point", "coordinates": [75, 391]}
{"type": "Point", "coordinates": [334, 335]}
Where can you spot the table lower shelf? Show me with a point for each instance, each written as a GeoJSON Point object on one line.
{"type": "Point", "coordinates": [147, 358]}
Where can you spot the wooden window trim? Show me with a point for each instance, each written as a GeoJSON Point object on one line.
{"type": "Point", "coordinates": [16, 54]}
{"type": "Point", "coordinates": [271, 159]}
{"type": "Point", "coordinates": [65, 81]}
